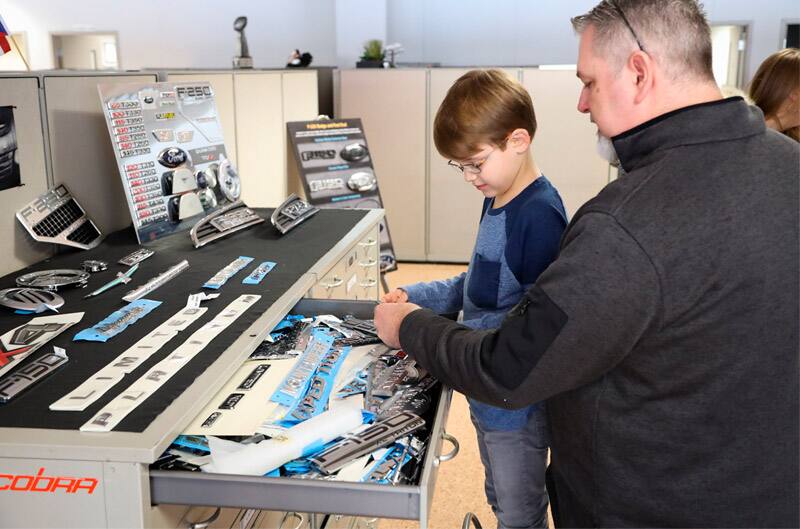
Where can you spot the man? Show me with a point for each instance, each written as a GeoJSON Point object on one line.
{"type": "Point", "coordinates": [665, 335]}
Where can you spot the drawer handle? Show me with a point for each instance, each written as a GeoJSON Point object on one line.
{"type": "Point", "coordinates": [369, 242]}
{"type": "Point", "coordinates": [369, 283]}
{"type": "Point", "coordinates": [205, 523]}
{"type": "Point", "coordinates": [471, 519]}
{"type": "Point", "coordinates": [333, 284]}
{"type": "Point", "coordinates": [371, 262]}
{"type": "Point", "coordinates": [300, 520]}
{"type": "Point", "coordinates": [447, 457]}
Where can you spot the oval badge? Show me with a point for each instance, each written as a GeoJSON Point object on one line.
{"type": "Point", "coordinates": [172, 157]}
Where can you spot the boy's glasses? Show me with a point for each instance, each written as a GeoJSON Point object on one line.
{"type": "Point", "coordinates": [470, 168]}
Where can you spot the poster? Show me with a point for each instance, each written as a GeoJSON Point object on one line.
{"type": "Point", "coordinates": [335, 166]}
{"type": "Point", "coordinates": [168, 142]}
{"type": "Point", "coordinates": [9, 167]}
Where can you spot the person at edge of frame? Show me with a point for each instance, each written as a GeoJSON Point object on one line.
{"type": "Point", "coordinates": [664, 336]}
{"type": "Point", "coordinates": [775, 89]}
{"type": "Point", "coordinates": [487, 123]}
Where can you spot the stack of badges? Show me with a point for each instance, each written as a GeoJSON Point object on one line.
{"type": "Point", "coordinates": [315, 400]}
{"type": "Point", "coordinates": [259, 273]}
{"type": "Point", "coordinates": [221, 277]}
{"type": "Point", "coordinates": [118, 321]}
{"type": "Point", "coordinates": [291, 391]}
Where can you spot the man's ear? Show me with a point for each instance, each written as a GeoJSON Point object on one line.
{"type": "Point", "coordinates": [519, 140]}
{"type": "Point", "coordinates": [643, 68]}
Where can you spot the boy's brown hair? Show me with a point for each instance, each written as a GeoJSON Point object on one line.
{"type": "Point", "coordinates": [482, 106]}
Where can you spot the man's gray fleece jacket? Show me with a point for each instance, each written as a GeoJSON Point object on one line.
{"type": "Point", "coordinates": [665, 335]}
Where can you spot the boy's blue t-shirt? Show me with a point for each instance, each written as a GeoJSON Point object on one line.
{"type": "Point", "coordinates": [515, 244]}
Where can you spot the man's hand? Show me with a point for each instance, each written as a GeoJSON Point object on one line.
{"type": "Point", "coordinates": [388, 317]}
{"type": "Point", "coordinates": [398, 295]}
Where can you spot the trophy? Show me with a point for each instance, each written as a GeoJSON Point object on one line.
{"type": "Point", "coordinates": [243, 59]}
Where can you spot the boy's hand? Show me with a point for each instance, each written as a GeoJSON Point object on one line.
{"type": "Point", "coordinates": [398, 295]}
{"type": "Point", "coordinates": [388, 317]}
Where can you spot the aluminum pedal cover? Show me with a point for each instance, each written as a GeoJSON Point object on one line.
{"type": "Point", "coordinates": [376, 436]}
{"type": "Point", "coordinates": [56, 217]}
{"type": "Point", "coordinates": [32, 299]}
{"type": "Point", "coordinates": [291, 213]}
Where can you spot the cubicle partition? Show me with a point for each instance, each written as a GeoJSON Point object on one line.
{"type": "Point", "coordinates": [22, 93]}
{"type": "Point", "coordinates": [80, 148]}
{"type": "Point", "coordinates": [393, 109]}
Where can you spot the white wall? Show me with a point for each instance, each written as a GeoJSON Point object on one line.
{"type": "Point", "coordinates": [525, 32]}
{"type": "Point", "coordinates": [358, 21]}
{"type": "Point", "coordinates": [451, 32]}
{"type": "Point", "coordinates": [485, 33]}
{"type": "Point", "coordinates": [181, 33]}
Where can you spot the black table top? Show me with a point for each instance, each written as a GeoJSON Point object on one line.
{"type": "Point", "coordinates": [295, 253]}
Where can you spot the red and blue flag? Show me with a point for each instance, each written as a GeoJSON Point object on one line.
{"type": "Point", "coordinates": [5, 46]}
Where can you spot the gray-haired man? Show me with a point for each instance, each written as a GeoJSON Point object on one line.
{"type": "Point", "coordinates": [665, 335]}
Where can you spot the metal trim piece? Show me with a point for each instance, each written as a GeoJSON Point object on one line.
{"type": "Point", "coordinates": [54, 279]}
{"type": "Point", "coordinates": [210, 228]}
{"type": "Point", "coordinates": [292, 212]}
{"type": "Point", "coordinates": [57, 201]}
{"type": "Point", "coordinates": [32, 299]}
{"type": "Point", "coordinates": [157, 281]}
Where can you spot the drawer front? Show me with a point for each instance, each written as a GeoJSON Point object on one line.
{"type": "Point", "coordinates": [311, 496]}
{"type": "Point", "coordinates": [354, 276]}
{"type": "Point", "coordinates": [220, 518]}
{"type": "Point", "coordinates": [368, 263]}
{"type": "Point", "coordinates": [332, 284]}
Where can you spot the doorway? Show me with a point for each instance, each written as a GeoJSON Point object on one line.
{"type": "Point", "coordinates": [728, 51]}
{"type": "Point", "coordinates": [86, 51]}
{"type": "Point", "coordinates": [790, 33]}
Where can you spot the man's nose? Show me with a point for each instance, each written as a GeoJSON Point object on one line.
{"type": "Point", "coordinates": [469, 177]}
{"type": "Point", "coordinates": [583, 103]}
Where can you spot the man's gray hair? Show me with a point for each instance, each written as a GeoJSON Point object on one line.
{"type": "Point", "coordinates": [674, 32]}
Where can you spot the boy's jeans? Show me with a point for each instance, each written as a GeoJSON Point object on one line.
{"type": "Point", "coordinates": [515, 463]}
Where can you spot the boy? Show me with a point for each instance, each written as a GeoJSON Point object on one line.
{"type": "Point", "coordinates": [487, 122]}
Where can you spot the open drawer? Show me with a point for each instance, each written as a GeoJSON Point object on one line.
{"type": "Point", "coordinates": [310, 495]}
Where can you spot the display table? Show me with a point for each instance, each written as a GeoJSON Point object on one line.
{"type": "Point", "coordinates": [41, 443]}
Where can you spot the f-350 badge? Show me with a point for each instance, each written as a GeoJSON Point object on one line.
{"type": "Point", "coordinates": [18, 343]}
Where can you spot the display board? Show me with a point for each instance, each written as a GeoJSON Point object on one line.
{"type": "Point", "coordinates": [335, 167]}
{"type": "Point", "coordinates": [170, 150]}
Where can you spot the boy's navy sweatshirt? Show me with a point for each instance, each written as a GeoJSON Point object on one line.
{"type": "Point", "coordinates": [515, 243]}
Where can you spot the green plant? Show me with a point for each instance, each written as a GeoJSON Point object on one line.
{"type": "Point", "coordinates": [373, 50]}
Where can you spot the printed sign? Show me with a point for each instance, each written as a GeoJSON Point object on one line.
{"type": "Point", "coordinates": [335, 167]}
